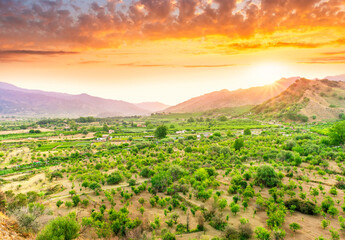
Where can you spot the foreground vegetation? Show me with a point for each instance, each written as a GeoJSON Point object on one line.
{"type": "Point", "coordinates": [174, 177]}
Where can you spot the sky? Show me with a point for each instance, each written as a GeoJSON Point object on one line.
{"type": "Point", "coordinates": [167, 50]}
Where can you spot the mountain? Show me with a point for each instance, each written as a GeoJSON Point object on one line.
{"type": "Point", "coordinates": [336, 78]}
{"type": "Point", "coordinates": [152, 106]}
{"type": "Point", "coordinates": [307, 99]}
{"type": "Point", "coordinates": [226, 98]}
{"type": "Point", "coordinates": [36, 103]}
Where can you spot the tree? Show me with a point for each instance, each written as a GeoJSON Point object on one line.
{"type": "Point", "coordinates": [267, 176]}
{"type": "Point", "coordinates": [333, 211]}
{"type": "Point", "coordinates": [238, 144]}
{"type": "Point", "coordinates": [105, 128]}
{"type": "Point", "coordinates": [59, 203]}
{"type": "Point", "coordinates": [141, 201]}
{"type": "Point", "coordinates": [334, 234]}
{"type": "Point", "coordinates": [114, 178]}
{"type": "Point", "coordinates": [222, 203]}
{"type": "Point", "coordinates": [161, 181]}
{"type": "Point", "coordinates": [168, 236]}
{"type": "Point", "coordinates": [295, 226]}
{"type": "Point", "coordinates": [161, 132]}
{"type": "Point", "coordinates": [337, 133]}
{"type": "Point", "coordinates": [76, 200]}
{"type": "Point", "coordinates": [66, 228]}
{"type": "Point", "coordinates": [325, 223]}
{"type": "Point", "coordinates": [235, 208]}
{"type": "Point", "coordinates": [223, 118]}
{"type": "Point", "coordinates": [247, 131]}
{"type": "Point", "coordinates": [262, 233]}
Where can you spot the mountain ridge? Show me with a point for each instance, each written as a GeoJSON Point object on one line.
{"type": "Point", "coordinates": [307, 100]}
{"type": "Point", "coordinates": [20, 101]}
{"type": "Point", "coordinates": [225, 98]}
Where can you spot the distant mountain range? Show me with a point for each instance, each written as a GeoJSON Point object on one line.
{"type": "Point", "coordinates": [321, 99]}
{"type": "Point", "coordinates": [340, 77]}
{"type": "Point", "coordinates": [152, 106]}
{"type": "Point", "coordinates": [36, 103]}
{"type": "Point", "coordinates": [315, 99]}
{"type": "Point", "coordinates": [226, 98]}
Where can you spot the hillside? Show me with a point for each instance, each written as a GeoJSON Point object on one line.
{"type": "Point", "coordinates": [226, 98]}
{"type": "Point", "coordinates": [9, 229]}
{"type": "Point", "coordinates": [307, 99]}
{"type": "Point", "coordinates": [35, 103]}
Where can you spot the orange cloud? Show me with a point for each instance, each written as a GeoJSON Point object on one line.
{"type": "Point", "coordinates": [65, 25]}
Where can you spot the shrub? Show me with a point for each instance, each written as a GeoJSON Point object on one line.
{"type": "Point", "coordinates": [295, 226]}
{"type": "Point", "coordinates": [262, 233]}
{"type": "Point", "coordinates": [245, 231]}
{"type": "Point", "coordinates": [247, 131]}
{"type": "Point", "coordinates": [114, 178]}
{"type": "Point", "coordinates": [66, 228]}
{"type": "Point", "coordinates": [238, 144]}
{"type": "Point", "coordinates": [231, 233]}
{"type": "Point", "coordinates": [267, 176]}
{"type": "Point", "coordinates": [161, 132]}
{"type": "Point", "coordinates": [305, 207]}
{"type": "Point", "coordinates": [168, 236]}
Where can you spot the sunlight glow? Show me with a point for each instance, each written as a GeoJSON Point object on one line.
{"type": "Point", "coordinates": [268, 72]}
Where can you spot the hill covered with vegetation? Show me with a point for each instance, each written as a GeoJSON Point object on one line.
{"type": "Point", "coordinates": [313, 100]}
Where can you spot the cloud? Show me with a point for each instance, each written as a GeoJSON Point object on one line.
{"type": "Point", "coordinates": [34, 52]}
{"type": "Point", "coordinates": [18, 55]}
{"type": "Point", "coordinates": [75, 25]}
{"type": "Point", "coordinates": [174, 65]}
{"type": "Point", "coordinates": [326, 60]}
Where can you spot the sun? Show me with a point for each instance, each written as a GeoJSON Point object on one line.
{"type": "Point", "coordinates": [268, 72]}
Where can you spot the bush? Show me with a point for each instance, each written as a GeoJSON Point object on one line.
{"type": "Point", "coordinates": [262, 233]}
{"type": "Point", "coordinates": [168, 236]}
{"type": "Point", "coordinates": [161, 132]}
{"type": "Point", "coordinates": [238, 144]}
{"type": "Point", "coordinates": [161, 181]}
{"type": "Point", "coordinates": [114, 178]}
{"type": "Point", "coordinates": [247, 131]}
{"type": "Point", "coordinates": [231, 233]}
{"type": "Point", "coordinates": [27, 216]}
{"type": "Point", "coordinates": [245, 231]}
{"type": "Point", "coordinates": [66, 228]}
{"type": "Point", "coordinates": [337, 133]}
{"type": "Point", "coordinates": [305, 207]}
{"type": "Point", "coordinates": [267, 176]}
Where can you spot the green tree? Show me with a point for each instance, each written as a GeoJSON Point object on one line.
{"type": "Point", "coordinates": [66, 228]}
{"type": "Point", "coordinates": [267, 176]}
{"type": "Point", "coordinates": [235, 208]}
{"type": "Point", "coordinates": [295, 226]}
{"type": "Point", "coordinates": [325, 223]}
{"type": "Point", "coordinates": [114, 178]}
{"type": "Point", "coordinates": [262, 233]}
{"type": "Point", "coordinates": [59, 203]}
{"type": "Point", "coordinates": [76, 200]}
{"type": "Point", "coordinates": [105, 128]}
{"type": "Point", "coordinates": [161, 181]}
{"type": "Point", "coordinates": [168, 236]}
{"type": "Point", "coordinates": [161, 132]}
{"type": "Point", "coordinates": [337, 133]}
{"type": "Point", "coordinates": [238, 144]}
{"type": "Point", "coordinates": [247, 131]}
{"type": "Point", "coordinates": [222, 203]}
